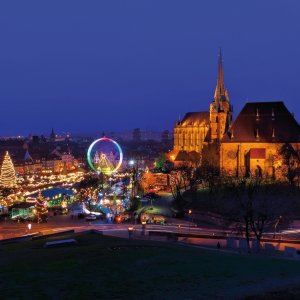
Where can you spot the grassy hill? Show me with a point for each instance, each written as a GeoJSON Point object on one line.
{"type": "Point", "coordinates": [101, 267]}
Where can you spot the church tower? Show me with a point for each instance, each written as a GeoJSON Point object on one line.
{"type": "Point", "coordinates": [52, 136]}
{"type": "Point", "coordinates": [220, 111]}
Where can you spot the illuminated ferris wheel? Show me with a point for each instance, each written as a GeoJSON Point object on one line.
{"type": "Point", "coordinates": [105, 156]}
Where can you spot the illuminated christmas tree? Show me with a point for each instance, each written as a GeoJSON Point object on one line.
{"type": "Point", "coordinates": [8, 176]}
{"type": "Point", "coordinates": [41, 209]}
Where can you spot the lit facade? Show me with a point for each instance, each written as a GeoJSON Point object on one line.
{"type": "Point", "coordinates": [198, 131]}
{"type": "Point", "coordinates": [250, 145]}
{"type": "Point", "coordinates": [254, 142]}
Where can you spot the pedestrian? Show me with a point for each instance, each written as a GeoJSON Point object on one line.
{"type": "Point", "coordinates": [218, 245]}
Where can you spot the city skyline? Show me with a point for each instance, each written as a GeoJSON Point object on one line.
{"type": "Point", "coordinates": [118, 66]}
{"type": "Point", "coordinates": [149, 149]}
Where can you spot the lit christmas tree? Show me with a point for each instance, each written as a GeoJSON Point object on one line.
{"type": "Point", "coordinates": [41, 209]}
{"type": "Point", "coordinates": [8, 176]}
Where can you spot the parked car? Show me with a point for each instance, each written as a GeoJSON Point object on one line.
{"type": "Point", "coordinates": [90, 218]}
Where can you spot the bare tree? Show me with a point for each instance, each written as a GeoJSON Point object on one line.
{"type": "Point", "coordinates": [176, 189]}
{"type": "Point", "coordinates": [255, 206]}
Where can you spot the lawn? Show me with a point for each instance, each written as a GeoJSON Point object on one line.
{"type": "Point", "coordinates": [157, 210]}
{"type": "Point", "coordinates": [101, 267]}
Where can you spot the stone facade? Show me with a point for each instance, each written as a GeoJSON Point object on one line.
{"type": "Point", "coordinates": [249, 146]}
{"type": "Point", "coordinates": [235, 159]}
{"type": "Point", "coordinates": [191, 134]}
{"type": "Point", "coordinates": [197, 130]}
{"type": "Point", "coordinates": [253, 143]}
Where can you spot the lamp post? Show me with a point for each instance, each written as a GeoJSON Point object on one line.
{"type": "Point", "coordinates": [190, 214]}
{"type": "Point", "coordinates": [275, 226]}
{"type": "Point", "coordinates": [130, 231]}
{"type": "Point", "coordinates": [132, 163]}
{"type": "Point", "coordinates": [143, 228]}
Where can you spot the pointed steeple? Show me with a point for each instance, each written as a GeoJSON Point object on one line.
{"type": "Point", "coordinates": [52, 135]}
{"type": "Point", "coordinates": [27, 156]}
{"type": "Point", "coordinates": [220, 92]}
{"type": "Point", "coordinates": [220, 108]}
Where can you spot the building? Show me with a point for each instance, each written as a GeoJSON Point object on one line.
{"type": "Point", "coordinates": [200, 132]}
{"type": "Point", "coordinates": [253, 143]}
{"type": "Point", "coordinates": [136, 134]}
{"type": "Point", "coordinates": [46, 162]}
{"type": "Point", "coordinates": [42, 158]}
{"type": "Point", "coordinates": [249, 145]}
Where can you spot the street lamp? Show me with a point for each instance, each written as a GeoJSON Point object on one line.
{"type": "Point", "coordinates": [130, 231]}
{"type": "Point", "coordinates": [133, 178]}
{"type": "Point", "coordinates": [275, 226]}
{"type": "Point", "coordinates": [190, 214]}
{"type": "Point", "coordinates": [143, 228]}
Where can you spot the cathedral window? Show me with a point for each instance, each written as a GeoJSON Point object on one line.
{"type": "Point", "coordinates": [257, 134]}
{"type": "Point", "coordinates": [273, 133]}
{"type": "Point", "coordinates": [273, 114]}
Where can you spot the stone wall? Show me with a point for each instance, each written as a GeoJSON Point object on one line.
{"type": "Point", "coordinates": [189, 138]}
{"type": "Point", "coordinates": [235, 159]}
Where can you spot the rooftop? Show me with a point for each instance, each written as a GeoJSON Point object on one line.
{"type": "Point", "coordinates": [195, 119]}
{"type": "Point", "coordinates": [264, 122]}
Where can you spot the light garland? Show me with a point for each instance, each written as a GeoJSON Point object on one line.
{"type": "Point", "coordinates": [8, 175]}
{"type": "Point", "coordinates": [41, 208]}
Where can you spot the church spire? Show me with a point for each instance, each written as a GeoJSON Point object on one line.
{"type": "Point", "coordinates": [220, 92]}
{"type": "Point", "coordinates": [220, 108]}
{"type": "Point", "coordinates": [52, 135]}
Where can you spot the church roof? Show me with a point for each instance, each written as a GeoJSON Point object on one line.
{"type": "Point", "coordinates": [187, 156]}
{"type": "Point", "coordinates": [264, 122]}
{"type": "Point", "coordinates": [195, 118]}
{"type": "Point", "coordinates": [182, 156]}
{"type": "Point", "coordinates": [51, 193]}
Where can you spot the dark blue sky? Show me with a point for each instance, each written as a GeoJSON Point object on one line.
{"type": "Point", "coordinates": [88, 66]}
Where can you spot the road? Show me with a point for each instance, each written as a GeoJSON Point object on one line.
{"type": "Point", "coordinates": [11, 229]}
{"type": "Point", "coordinates": [212, 237]}
{"type": "Point", "coordinates": [204, 234]}
{"type": "Point", "coordinates": [188, 233]}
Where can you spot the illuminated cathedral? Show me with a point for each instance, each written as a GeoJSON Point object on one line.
{"type": "Point", "coordinates": [249, 145]}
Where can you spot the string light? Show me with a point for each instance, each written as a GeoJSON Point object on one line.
{"type": "Point", "coordinates": [8, 175]}
{"type": "Point", "coordinates": [41, 208]}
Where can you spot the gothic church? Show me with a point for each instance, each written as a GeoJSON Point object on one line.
{"type": "Point", "coordinates": [249, 145]}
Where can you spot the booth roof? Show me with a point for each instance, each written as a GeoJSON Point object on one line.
{"type": "Point", "coordinates": [51, 193]}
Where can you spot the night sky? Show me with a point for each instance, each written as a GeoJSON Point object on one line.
{"type": "Point", "coordinates": [88, 66]}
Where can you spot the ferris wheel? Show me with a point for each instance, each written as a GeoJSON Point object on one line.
{"type": "Point", "coordinates": [105, 156]}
